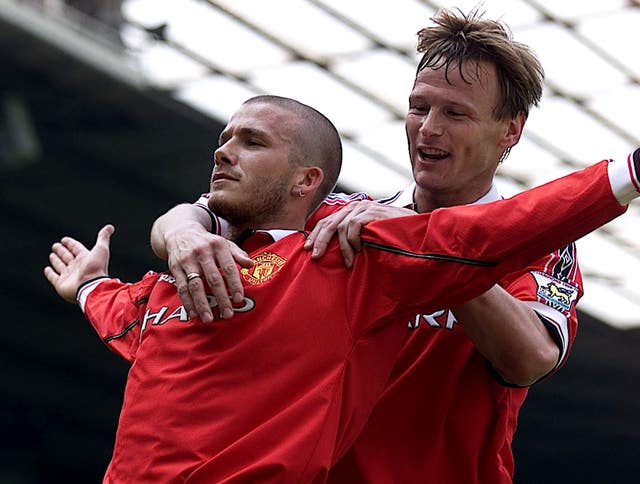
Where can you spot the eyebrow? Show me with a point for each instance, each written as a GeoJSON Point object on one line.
{"type": "Point", "coordinates": [451, 103]}
{"type": "Point", "coordinates": [243, 131]}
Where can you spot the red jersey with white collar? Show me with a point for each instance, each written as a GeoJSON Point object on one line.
{"type": "Point", "coordinates": [280, 392]}
{"type": "Point", "coordinates": [445, 416]}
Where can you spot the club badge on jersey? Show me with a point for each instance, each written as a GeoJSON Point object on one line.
{"type": "Point", "coordinates": [267, 265]}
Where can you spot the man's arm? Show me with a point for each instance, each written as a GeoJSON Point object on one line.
{"type": "Point", "coordinates": [78, 274]}
{"type": "Point", "coordinates": [183, 214]}
{"type": "Point", "coordinates": [183, 237]}
{"type": "Point", "coordinates": [504, 329]}
{"type": "Point", "coordinates": [467, 249]}
{"type": "Point", "coordinates": [510, 335]}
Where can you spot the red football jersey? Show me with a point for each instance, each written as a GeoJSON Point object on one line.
{"type": "Point", "coordinates": [445, 415]}
{"type": "Point", "coordinates": [280, 392]}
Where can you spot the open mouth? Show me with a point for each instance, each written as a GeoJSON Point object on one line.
{"type": "Point", "coordinates": [432, 154]}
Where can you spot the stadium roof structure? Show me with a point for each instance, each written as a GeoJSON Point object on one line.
{"type": "Point", "coordinates": [355, 61]}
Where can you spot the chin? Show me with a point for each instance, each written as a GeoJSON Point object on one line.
{"type": "Point", "coordinates": [429, 182]}
{"type": "Point", "coordinates": [424, 177]}
{"type": "Point", "coordinates": [218, 203]}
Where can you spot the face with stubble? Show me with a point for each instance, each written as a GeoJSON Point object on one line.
{"type": "Point", "coordinates": [252, 174]}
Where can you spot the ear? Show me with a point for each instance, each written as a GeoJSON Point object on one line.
{"type": "Point", "coordinates": [513, 131]}
{"type": "Point", "coordinates": [306, 180]}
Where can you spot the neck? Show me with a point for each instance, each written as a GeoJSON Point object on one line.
{"type": "Point", "coordinates": [285, 221]}
{"type": "Point", "coordinates": [429, 200]}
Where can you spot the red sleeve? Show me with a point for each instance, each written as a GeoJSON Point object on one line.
{"type": "Point", "coordinates": [552, 286]}
{"type": "Point", "coordinates": [219, 226]}
{"type": "Point", "coordinates": [458, 253]}
{"type": "Point", "coordinates": [113, 309]}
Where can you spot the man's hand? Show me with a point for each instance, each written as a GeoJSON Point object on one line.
{"type": "Point", "coordinates": [73, 264]}
{"type": "Point", "coordinates": [348, 224]}
{"type": "Point", "coordinates": [193, 250]}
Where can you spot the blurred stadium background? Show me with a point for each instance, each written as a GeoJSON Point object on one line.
{"type": "Point", "coordinates": [110, 110]}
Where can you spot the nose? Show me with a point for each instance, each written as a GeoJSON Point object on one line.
{"type": "Point", "coordinates": [431, 124]}
{"type": "Point", "coordinates": [223, 155]}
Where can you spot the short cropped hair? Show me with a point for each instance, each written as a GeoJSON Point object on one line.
{"type": "Point", "coordinates": [316, 141]}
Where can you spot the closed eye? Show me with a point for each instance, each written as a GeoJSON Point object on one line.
{"type": "Point", "coordinates": [419, 108]}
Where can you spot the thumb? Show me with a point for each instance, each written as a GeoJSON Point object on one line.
{"type": "Point", "coordinates": [104, 235]}
{"type": "Point", "coordinates": [241, 257]}
{"type": "Point", "coordinates": [100, 251]}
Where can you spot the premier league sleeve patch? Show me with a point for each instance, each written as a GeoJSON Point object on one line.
{"type": "Point", "coordinates": [555, 293]}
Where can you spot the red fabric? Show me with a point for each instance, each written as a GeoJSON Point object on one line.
{"type": "Point", "coordinates": [444, 416]}
{"type": "Point", "coordinates": [280, 392]}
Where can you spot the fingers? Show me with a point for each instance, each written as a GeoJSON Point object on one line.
{"type": "Point", "coordinates": [190, 252]}
{"type": "Point", "coordinates": [324, 231]}
{"type": "Point", "coordinates": [223, 276]}
{"type": "Point", "coordinates": [201, 307]}
{"type": "Point", "coordinates": [319, 240]}
{"type": "Point", "coordinates": [349, 236]}
{"type": "Point", "coordinates": [185, 296]}
{"type": "Point", "coordinates": [312, 240]}
{"type": "Point", "coordinates": [192, 293]}
{"type": "Point", "coordinates": [345, 247]}
{"type": "Point", "coordinates": [219, 290]}
{"type": "Point", "coordinates": [350, 228]}
{"type": "Point", "coordinates": [355, 230]}
{"type": "Point", "coordinates": [215, 260]}
{"type": "Point", "coordinates": [240, 256]}
{"type": "Point", "coordinates": [227, 260]}
{"type": "Point", "coordinates": [56, 262]}
{"type": "Point", "coordinates": [51, 275]}
{"type": "Point", "coordinates": [67, 249]}
{"type": "Point", "coordinates": [63, 253]}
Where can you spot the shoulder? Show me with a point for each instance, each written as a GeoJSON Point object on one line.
{"type": "Point", "coordinates": [402, 198]}
{"type": "Point", "coordinates": [333, 203]}
{"type": "Point", "coordinates": [345, 198]}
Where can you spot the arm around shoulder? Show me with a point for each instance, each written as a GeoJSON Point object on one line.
{"type": "Point", "coordinates": [175, 220]}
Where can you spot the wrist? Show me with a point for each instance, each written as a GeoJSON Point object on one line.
{"type": "Point", "coordinates": [86, 287]}
{"type": "Point", "coordinates": [623, 178]}
{"type": "Point", "coordinates": [172, 235]}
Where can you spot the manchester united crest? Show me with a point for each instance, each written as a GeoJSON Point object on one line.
{"type": "Point", "coordinates": [267, 265]}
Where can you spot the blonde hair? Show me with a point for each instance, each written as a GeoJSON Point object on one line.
{"type": "Point", "coordinates": [456, 38]}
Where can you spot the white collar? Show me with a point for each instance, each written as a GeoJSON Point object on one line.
{"type": "Point", "coordinates": [491, 196]}
{"type": "Point", "coordinates": [277, 234]}
{"type": "Point", "coordinates": [404, 198]}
